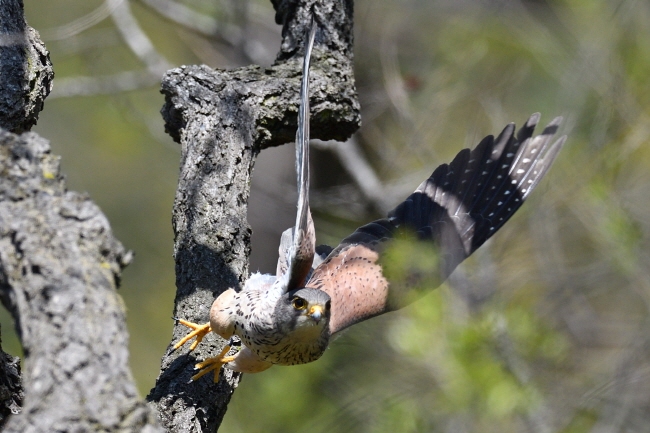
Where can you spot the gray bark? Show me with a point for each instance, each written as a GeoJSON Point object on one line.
{"type": "Point", "coordinates": [25, 70]}
{"type": "Point", "coordinates": [11, 389]}
{"type": "Point", "coordinates": [222, 119]}
{"type": "Point", "coordinates": [59, 270]}
{"type": "Point", "coordinates": [15, 48]}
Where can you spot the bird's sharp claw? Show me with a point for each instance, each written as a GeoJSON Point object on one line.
{"type": "Point", "coordinates": [199, 331]}
{"type": "Point", "coordinates": [213, 363]}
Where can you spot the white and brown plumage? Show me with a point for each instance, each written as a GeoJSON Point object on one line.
{"type": "Point", "coordinates": [290, 318]}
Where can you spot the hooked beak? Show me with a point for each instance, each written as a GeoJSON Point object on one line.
{"type": "Point", "coordinates": [316, 313]}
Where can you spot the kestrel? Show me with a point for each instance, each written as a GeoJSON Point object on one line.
{"type": "Point", "coordinates": [290, 318]}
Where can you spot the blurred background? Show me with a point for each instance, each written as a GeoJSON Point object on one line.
{"type": "Point", "coordinates": [545, 329]}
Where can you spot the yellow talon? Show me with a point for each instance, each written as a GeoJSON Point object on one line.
{"type": "Point", "coordinates": [199, 331]}
{"type": "Point", "coordinates": [213, 363]}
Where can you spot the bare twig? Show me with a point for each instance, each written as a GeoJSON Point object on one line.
{"type": "Point", "coordinates": [358, 167]}
{"type": "Point", "coordinates": [85, 22]}
{"type": "Point", "coordinates": [136, 38]}
{"type": "Point", "coordinates": [106, 85]}
{"type": "Point", "coordinates": [393, 82]}
{"type": "Point", "coordinates": [181, 14]}
{"type": "Point", "coordinates": [140, 45]}
{"type": "Point", "coordinates": [232, 35]}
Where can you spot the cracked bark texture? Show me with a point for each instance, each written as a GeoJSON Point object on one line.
{"type": "Point", "coordinates": [59, 269]}
{"type": "Point", "coordinates": [25, 70]}
{"type": "Point", "coordinates": [11, 390]}
{"type": "Point", "coordinates": [25, 80]}
{"type": "Point", "coordinates": [222, 119]}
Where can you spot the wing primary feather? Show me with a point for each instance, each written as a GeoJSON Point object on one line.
{"type": "Point", "coordinates": [519, 176]}
{"type": "Point", "coordinates": [479, 172]}
{"type": "Point", "coordinates": [544, 165]}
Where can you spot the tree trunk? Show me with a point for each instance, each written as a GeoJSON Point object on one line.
{"type": "Point", "coordinates": [59, 269]}
{"type": "Point", "coordinates": [222, 119]}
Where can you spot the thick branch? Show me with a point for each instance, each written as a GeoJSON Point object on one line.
{"type": "Point", "coordinates": [25, 70]}
{"type": "Point", "coordinates": [222, 119]}
{"type": "Point", "coordinates": [59, 269]}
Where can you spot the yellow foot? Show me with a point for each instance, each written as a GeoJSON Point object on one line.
{"type": "Point", "coordinates": [199, 331]}
{"type": "Point", "coordinates": [213, 363]}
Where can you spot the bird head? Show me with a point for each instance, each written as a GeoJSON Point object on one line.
{"type": "Point", "coordinates": [304, 311]}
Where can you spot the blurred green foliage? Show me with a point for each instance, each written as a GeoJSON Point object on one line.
{"type": "Point", "coordinates": [545, 329]}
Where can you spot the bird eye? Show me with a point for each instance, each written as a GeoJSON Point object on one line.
{"type": "Point", "coordinates": [299, 303]}
{"type": "Point", "coordinates": [328, 304]}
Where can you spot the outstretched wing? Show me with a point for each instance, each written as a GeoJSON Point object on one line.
{"type": "Point", "coordinates": [298, 244]}
{"type": "Point", "coordinates": [458, 208]}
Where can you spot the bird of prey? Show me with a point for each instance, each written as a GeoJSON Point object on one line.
{"type": "Point", "coordinates": [290, 318]}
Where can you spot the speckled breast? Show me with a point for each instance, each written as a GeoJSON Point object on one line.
{"type": "Point", "coordinates": [272, 347]}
